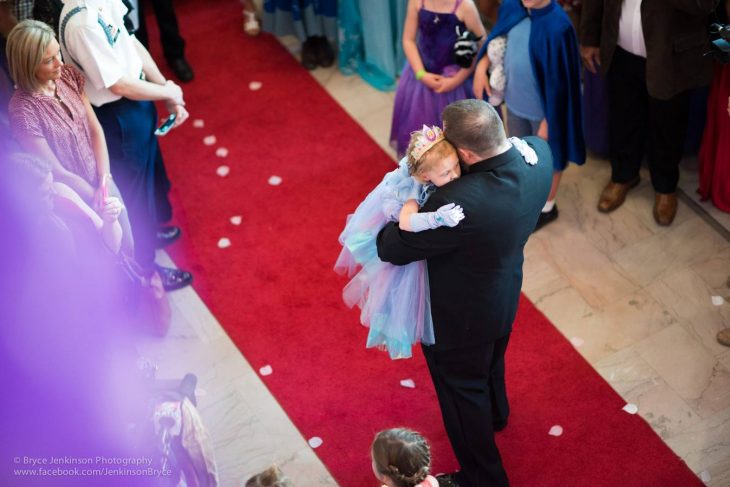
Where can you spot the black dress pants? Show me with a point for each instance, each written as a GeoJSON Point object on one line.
{"type": "Point", "coordinates": [470, 386]}
{"type": "Point", "coordinates": [138, 170]}
{"type": "Point", "coordinates": [173, 45]}
{"type": "Point", "coordinates": [639, 124]}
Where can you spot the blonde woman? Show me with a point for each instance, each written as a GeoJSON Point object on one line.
{"type": "Point", "coordinates": [52, 118]}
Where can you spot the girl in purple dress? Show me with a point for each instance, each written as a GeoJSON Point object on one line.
{"type": "Point", "coordinates": [431, 79]}
{"type": "Point", "coordinates": [395, 299]}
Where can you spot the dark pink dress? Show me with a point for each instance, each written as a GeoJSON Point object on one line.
{"type": "Point", "coordinates": [68, 136]}
{"type": "Point", "coordinates": [714, 154]}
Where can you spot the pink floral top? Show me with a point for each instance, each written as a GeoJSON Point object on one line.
{"type": "Point", "coordinates": [68, 136]}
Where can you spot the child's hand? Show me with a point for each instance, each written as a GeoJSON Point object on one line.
{"type": "Point", "coordinates": [481, 79]}
{"type": "Point", "coordinates": [433, 81]}
{"type": "Point", "coordinates": [111, 209]}
{"type": "Point", "coordinates": [448, 84]}
{"type": "Point", "coordinates": [449, 215]}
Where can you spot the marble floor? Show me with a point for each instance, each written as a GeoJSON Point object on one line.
{"type": "Point", "coordinates": [638, 296]}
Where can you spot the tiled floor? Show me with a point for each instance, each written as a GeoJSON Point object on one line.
{"type": "Point", "coordinates": [637, 295]}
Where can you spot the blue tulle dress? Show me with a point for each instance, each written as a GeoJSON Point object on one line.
{"type": "Point", "coordinates": [370, 40]}
{"type": "Point", "coordinates": [415, 103]}
{"type": "Point", "coordinates": [394, 300]}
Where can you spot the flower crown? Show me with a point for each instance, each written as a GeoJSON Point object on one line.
{"type": "Point", "coordinates": [431, 136]}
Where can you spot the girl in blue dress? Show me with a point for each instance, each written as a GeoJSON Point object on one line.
{"type": "Point", "coordinates": [395, 299]}
{"type": "Point", "coordinates": [431, 79]}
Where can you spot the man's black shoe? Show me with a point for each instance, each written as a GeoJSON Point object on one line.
{"type": "Point", "coordinates": [181, 68]}
{"type": "Point", "coordinates": [499, 425]}
{"type": "Point", "coordinates": [447, 480]}
{"type": "Point", "coordinates": [547, 217]}
{"type": "Point", "coordinates": [167, 235]}
{"type": "Point", "coordinates": [325, 54]}
{"type": "Point", "coordinates": [173, 279]}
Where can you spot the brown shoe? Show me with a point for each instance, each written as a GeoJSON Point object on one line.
{"type": "Point", "coordinates": [723, 337]}
{"type": "Point", "coordinates": [614, 195]}
{"type": "Point", "coordinates": [665, 208]}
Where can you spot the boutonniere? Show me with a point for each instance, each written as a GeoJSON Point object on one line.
{"type": "Point", "coordinates": [527, 152]}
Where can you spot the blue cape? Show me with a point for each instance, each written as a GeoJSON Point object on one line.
{"type": "Point", "coordinates": [556, 65]}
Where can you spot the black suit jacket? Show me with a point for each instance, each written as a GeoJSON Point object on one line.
{"type": "Point", "coordinates": [675, 33]}
{"type": "Point", "coordinates": [475, 268]}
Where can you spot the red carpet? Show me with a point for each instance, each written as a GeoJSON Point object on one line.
{"type": "Point", "coordinates": [275, 293]}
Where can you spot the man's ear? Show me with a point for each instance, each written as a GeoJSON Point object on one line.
{"type": "Point", "coordinates": [465, 155]}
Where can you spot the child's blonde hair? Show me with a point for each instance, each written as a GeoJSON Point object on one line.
{"type": "Point", "coordinates": [402, 455]}
{"type": "Point", "coordinates": [271, 477]}
{"type": "Point", "coordinates": [438, 151]}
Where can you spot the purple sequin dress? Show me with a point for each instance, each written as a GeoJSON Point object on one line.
{"type": "Point", "coordinates": [415, 103]}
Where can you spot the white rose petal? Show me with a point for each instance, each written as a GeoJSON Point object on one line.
{"type": "Point", "coordinates": [266, 370]}
{"type": "Point", "coordinates": [198, 123]}
{"type": "Point", "coordinates": [236, 220]}
{"type": "Point", "coordinates": [556, 430]}
{"type": "Point", "coordinates": [408, 383]}
{"type": "Point", "coordinates": [705, 476]}
{"type": "Point", "coordinates": [254, 85]}
{"type": "Point", "coordinates": [221, 152]}
{"type": "Point", "coordinates": [209, 140]}
{"type": "Point", "coordinates": [275, 180]}
{"type": "Point", "coordinates": [223, 171]}
{"type": "Point", "coordinates": [315, 442]}
{"type": "Point", "coordinates": [631, 408]}
{"type": "Point", "coordinates": [224, 243]}
{"type": "Point", "coordinates": [577, 341]}
{"type": "Point", "coordinates": [718, 300]}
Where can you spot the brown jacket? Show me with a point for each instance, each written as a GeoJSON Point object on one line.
{"type": "Point", "coordinates": [675, 33]}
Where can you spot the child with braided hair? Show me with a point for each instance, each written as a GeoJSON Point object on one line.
{"type": "Point", "coordinates": [395, 300]}
{"type": "Point", "coordinates": [402, 458]}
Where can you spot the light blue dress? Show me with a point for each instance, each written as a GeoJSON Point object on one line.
{"type": "Point", "coordinates": [370, 38]}
{"type": "Point", "coordinates": [394, 300]}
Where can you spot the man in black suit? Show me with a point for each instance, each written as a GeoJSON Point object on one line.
{"type": "Point", "coordinates": [475, 277]}
{"type": "Point", "coordinates": [651, 53]}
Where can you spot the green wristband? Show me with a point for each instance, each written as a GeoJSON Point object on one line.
{"type": "Point", "coordinates": [420, 74]}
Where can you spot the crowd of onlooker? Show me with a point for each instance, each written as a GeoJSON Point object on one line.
{"type": "Point", "coordinates": [83, 209]}
{"type": "Point", "coordinates": [603, 78]}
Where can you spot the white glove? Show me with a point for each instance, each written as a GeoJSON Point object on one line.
{"type": "Point", "coordinates": [447, 216]}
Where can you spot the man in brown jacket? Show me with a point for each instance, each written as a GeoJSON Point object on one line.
{"type": "Point", "coordinates": [651, 52]}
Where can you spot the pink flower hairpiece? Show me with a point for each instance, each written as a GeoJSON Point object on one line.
{"type": "Point", "coordinates": [431, 136]}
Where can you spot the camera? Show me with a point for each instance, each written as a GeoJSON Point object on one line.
{"type": "Point", "coordinates": [720, 43]}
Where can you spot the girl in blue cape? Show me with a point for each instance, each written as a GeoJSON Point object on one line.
{"type": "Point", "coordinates": [543, 89]}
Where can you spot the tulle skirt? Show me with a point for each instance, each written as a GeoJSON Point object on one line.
{"type": "Point", "coordinates": [394, 300]}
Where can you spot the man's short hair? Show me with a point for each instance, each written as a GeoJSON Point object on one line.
{"type": "Point", "coordinates": [473, 125]}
